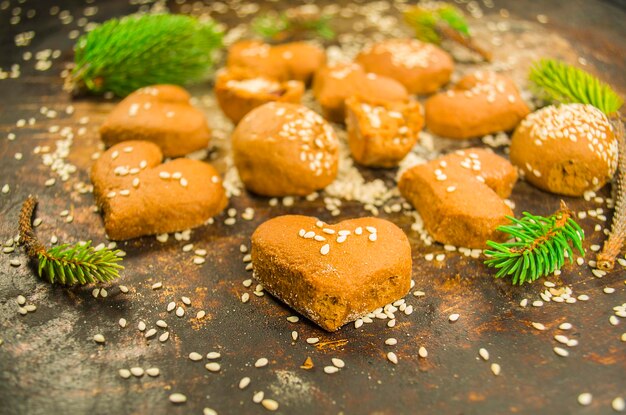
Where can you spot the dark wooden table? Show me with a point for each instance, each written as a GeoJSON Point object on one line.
{"type": "Point", "coordinates": [49, 363]}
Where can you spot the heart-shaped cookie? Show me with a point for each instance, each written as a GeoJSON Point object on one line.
{"type": "Point", "coordinates": [161, 114]}
{"type": "Point", "coordinates": [332, 274]}
{"type": "Point", "coordinates": [140, 196]}
{"type": "Point", "coordinates": [480, 103]}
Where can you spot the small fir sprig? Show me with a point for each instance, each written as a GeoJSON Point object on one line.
{"type": "Point", "coordinates": [435, 21]}
{"type": "Point", "coordinates": [293, 24]}
{"type": "Point", "coordinates": [538, 248]}
{"type": "Point", "coordinates": [67, 264]}
{"type": "Point", "coordinates": [123, 55]}
{"type": "Point", "coordinates": [557, 81]}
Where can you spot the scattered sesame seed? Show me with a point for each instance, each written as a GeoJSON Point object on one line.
{"type": "Point", "coordinates": [213, 367]}
{"type": "Point", "coordinates": [124, 373]}
{"type": "Point", "coordinates": [245, 297]}
{"type": "Point", "coordinates": [293, 319]}
{"type": "Point", "coordinates": [195, 356]}
{"type": "Point", "coordinates": [618, 404]}
{"type": "Point", "coordinates": [325, 249]}
{"type": "Point", "coordinates": [180, 312]}
{"type": "Point", "coordinates": [157, 285]}
{"type": "Point", "coordinates": [538, 326]}
{"type": "Point", "coordinates": [422, 352]}
{"type": "Point", "coordinates": [338, 362]}
{"type": "Point", "coordinates": [137, 371]}
{"type": "Point", "coordinates": [391, 356]}
{"type": "Point", "coordinates": [608, 290]}
{"type": "Point", "coordinates": [483, 353]}
{"type": "Point", "coordinates": [162, 324]}
{"type": "Point", "coordinates": [141, 326]}
{"type": "Point", "coordinates": [258, 397]}
{"type": "Point", "coordinates": [200, 314]}
{"type": "Point", "coordinates": [269, 404]}
{"type": "Point", "coordinates": [262, 362]}
{"type": "Point", "coordinates": [244, 382]}
{"type": "Point", "coordinates": [330, 369]}
{"type": "Point", "coordinates": [565, 326]}
{"type": "Point", "coordinates": [585, 398]}
{"type": "Point", "coordinates": [99, 338]}
{"type": "Point", "coordinates": [153, 372]}
{"type": "Point", "coordinates": [178, 398]}
{"type": "Point", "coordinates": [561, 352]}
{"type": "Point", "coordinates": [613, 320]}
{"type": "Point", "coordinates": [453, 317]}
{"type": "Point", "coordinates": [213, 355]}
{"type": "Point", "coordinates": [171, 306]}
{"type": "Point", "coordinates": [123, 289]}
{"type": "Point", "coordinates": [163, 337]}
{"type": "Point", "coordinates": [312, 340]}
{"type": "Point", "coordinates": [495, 369]}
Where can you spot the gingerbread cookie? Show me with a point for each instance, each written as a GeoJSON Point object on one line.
{"type": "Point", "coordinates": [238, 92]}
{"type": "Point", "coordinates": [460, 196]}
{"type": "Point", "coordinates": [334, 84]}
{"type": "Point", "coordinates": [481, 103]}
{"type": "Point", "coordinates": [332, 274]}
{"type": "Point", "coordinates": [421, 67]}
{"type": "Point", "coordinates": [289, 61]}
{"type": "Point", "coordinates": [566, 149]}
{"type": "Point", "coordinates": [140, 196]}
{"type": "Point", "coordinates": [381, 134]}
{"type": "Point", "coordinates": [161, 114]}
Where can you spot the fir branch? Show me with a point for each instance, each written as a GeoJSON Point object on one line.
{"type": "Point", "coordinates": [554, 80]}
{"type": "Point", "coordinates": [538, 246]}
{"type": "Point", "coordinates": [67, 264]}
{"type": "Point", "coordinates": [123, 55]}
{"type": "Point", "coordinates": [435, 21]}
{"type": "Point", "coordinates": [293, 24]}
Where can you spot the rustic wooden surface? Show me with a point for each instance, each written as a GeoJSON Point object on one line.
{"type": "Point", "coordinates": [49, 363]}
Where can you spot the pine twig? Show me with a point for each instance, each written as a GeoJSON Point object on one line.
{"type": "Point", "coordinates": [293, 24]}
{"type": "Point", "coordinates": [65, 264]}
{"type": "Point", "coordinates": [605, 260]}
{"type": "Point", "coordinates": [538, 246]}
{"type": "Point", "coordinates": [557, 81]}
{"type": "Point", "coordinates": [434, 21]}
{"type": "Point", "coordinates": [123, 55]}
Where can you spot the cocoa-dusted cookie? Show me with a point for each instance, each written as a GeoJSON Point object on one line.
{"type": "Point", "coordinates": [460, 196]}
{"type": "Point", "coordinates": [161, 114]}
{"type": "Point", "coordinates": [566, 149]}
{"type": "Point", "coordinates": [334, 84]}
{"type": "Point", "coordinates": [421, 67]}
{"type": "Point", "coordinates": [288, 61]}
{"type": "Point", "coordinates": [381, 134]}
{"type": "Point", "coordinates": [238, 92]}
{"type": "Point", "coordinates": [332, 274]}
{"type": "Point", "coordinates": [285, 149]}
{"type": "Point", "coordinates": [479, 104]}
{"type": "Point", "coordinates": [140, 196]}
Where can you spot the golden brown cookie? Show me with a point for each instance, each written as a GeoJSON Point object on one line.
{"type": "Point", "coordinates": [334, 84]}
{"type": "Point", "coordinates": [161, 114]}
{"type": "Point", "coordinates": [381, 134]}
{"type": "Point", "coordinates": [140, 196]}
{"type": "Point", "coordinates": [421, 67]}
{"type": "Point", "coordinates": [285, 149]}
{"type": "Point", "coordinates": [289, 61]}
{"type": "Point", "coordinates": [460, 196]}
{"type": "Point", "coordinates": [566, 149]}
{"type": "Point", "coordinates": [479, 104]}
{"type": "Point", "coordinates": [332, 274]}
{"type": "Point", "coordinates": [238, 92]}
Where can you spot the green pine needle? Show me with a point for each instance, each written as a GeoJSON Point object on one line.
{"type": "Point", "coordinates": [78, 264]}
{"type": "Point", "coordinates": [427, 18]}
{"type": "Point", "coordinates": [538, 248]}
{"type": "Point", "coordinates": [67, 264]}
{"type": "Point", "coordinates": [272, 26]}
{"type": "Point", "coordinates": [123, 55]}
{"type": "Point", "coordinates": [554, 80]}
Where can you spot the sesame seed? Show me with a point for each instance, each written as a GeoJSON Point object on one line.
{"type": "Point", "coordinates": [244, 382]}
{"type": "Point", "coordinates": [180, 312]}
{"type": "Point", "coordinates": [358, 231]}
{"type": "Point", "coordinates": [185, 300]}
{"type": "Point", "coordinates": [213, 367]}
{"type": "Point", "coordinates": [137, 371]}
{"type": "Point", "coordinates": [157, 285]}
{"type": "Point", "coordinates": [453, 317]}
{"type": "Point", "coordinates": [565, 326]}
{"type": "Point", "coordinates": [583, 297]}
{"type": "Point", "coordinates": [330, 369]}
{"type": "Point", "coordinates": [613, 320]}
{"type": "Point", "coordinates": [294, 335]}
{"type": "Point", "coordinates": [200, 314]}
{"type": "Point", "coordinates": [608, 290]}
{"type": "Point", "coordinates": [30, 308]}
{"type": "Point", "coordinates": [484, 353]}
{"type": "Point", "coordinates": [560, 351]}
{"type": "Point", "coordinates": [338, 362]}
{"type": "Point", "coordinates": [245, 297]}
{"type": "Point", "coordinates": [293, 319]}
{"type": "Point", "coordinates": [538, 326]}
{"type": "Point", "coordinates": [269, 404]}
{"type": "Point", "coordinates": [123, 289]}
{"type": "Point", "coordinates": [262, 362]}
{"type": "Point", "coordinates": [124, 373]}
{"type": "Point", "coordinates": [561, 339]}
{"type": "Point", "coordinates": [163, 337]}
{"type": "Point", "coordinates": [618, 404]}
{"type": "Point", "coordinates": [373, 237]}
{"type": "Point", "coordinates": [585, 398]}
{"type": "Point", "coordinates": [161, 323]}
{"type": "Point", "coordinates": [325, 249]}
{"type": "Point", "coordinates": [391, 356]}
{"type": "Point", "coordinates": [495, 369]}
{"type": "Point", "coordinates": [178, 398]}
{"type": "Point", "coordinates": [195, 356]}
{"type": "Point", "coordinates": [171, 306]}
{"type": "Point", "coordinates": [213, 355]}
{"type": "Point", "coordinates": [258, 397]}
{"type": "Point", "coordinates": [153, 372]}
{"type": "Point", "coordinates": [141, 326]}
{"type": "Point", "coordinates": [422, 352]}
{"type": "Point", "coordinates": [199, 260]}
{"type": "Point", "coordinates": [312, 340]}
{"type": "Point", "coordinates": [150, 333]}
{"type": "Point", "coordinates": [391, 341]}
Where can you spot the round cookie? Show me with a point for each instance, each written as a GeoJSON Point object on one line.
{"type": "Point", "coordinates": [566, 149]}
{"type": "Point", "coordinates": [334, 84]}
{"type": "Point", "coordinates": [421, 67]}
{"type": "Point", "coordinates": [295, 60]}
{"type": "Point", "coordinates": [238, 92]}
{"type": "Point", "coordinates": [480, 103]}
{"type": "Point", "coordinates": [284, 149]}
